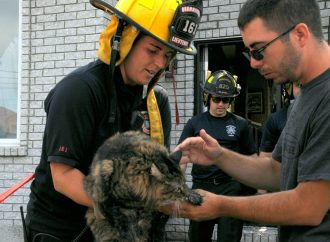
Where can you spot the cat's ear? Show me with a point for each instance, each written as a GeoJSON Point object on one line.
{"type": "Point", "coordinates": [155, 171]}
{"type": "Point", "coordinates": [96, 181]}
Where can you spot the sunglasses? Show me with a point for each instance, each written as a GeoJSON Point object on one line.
{"type": "Point", "coordinates": [257, 54]}
{"type": "Point", "coordinates": [223, 99]}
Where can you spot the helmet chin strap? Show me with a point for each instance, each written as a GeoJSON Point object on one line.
{"type": "Point", "coordinates": [114, 43]}
{"type": "Point", "coordinates": [177, 115]}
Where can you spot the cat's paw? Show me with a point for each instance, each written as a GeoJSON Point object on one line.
{"type": "Point", "coordinates": [194, 198]}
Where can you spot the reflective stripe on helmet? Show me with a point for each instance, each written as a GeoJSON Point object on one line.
{"type": "Point", "coordinates": [221, 83]}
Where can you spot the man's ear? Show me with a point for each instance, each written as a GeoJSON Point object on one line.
{"type": "Point", "coordinates": [301, 34]}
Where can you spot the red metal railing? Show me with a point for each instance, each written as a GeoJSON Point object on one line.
{"type": "Point", "coordinates": [10, 191]}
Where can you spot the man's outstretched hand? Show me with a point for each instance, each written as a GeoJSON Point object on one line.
{"type": "Point", "coordinates": [202, 150]}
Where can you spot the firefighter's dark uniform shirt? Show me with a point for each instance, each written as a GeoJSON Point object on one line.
{"type": "Point", "coordinates": [274, 125]}
{"type": "Point", "coordinates": [77, 124]}
{"type": "Point", "coordinates": [230, 131]}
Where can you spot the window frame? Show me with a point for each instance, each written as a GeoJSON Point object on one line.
{"type": "Point", "coordinates": [15, 142]}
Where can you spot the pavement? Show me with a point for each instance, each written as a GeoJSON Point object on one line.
{"type": "Point", "coordinates": [9, 233]}
{"type": "Point", "coordinates": [259, 234]}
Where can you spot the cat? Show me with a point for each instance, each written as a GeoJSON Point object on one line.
{"type": "Point", "coordinates": [129, 179]}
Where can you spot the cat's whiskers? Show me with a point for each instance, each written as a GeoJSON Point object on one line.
{"type": "Point", "coordinates": [175, 205]}
{"type": "Point", "coordinates": [176, 209]}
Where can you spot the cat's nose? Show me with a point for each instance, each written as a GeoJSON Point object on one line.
{"type": "Point", "coordinates": [194, 198]}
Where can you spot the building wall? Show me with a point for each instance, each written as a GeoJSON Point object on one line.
{"type": "Point", "coordinates": [60, 35]}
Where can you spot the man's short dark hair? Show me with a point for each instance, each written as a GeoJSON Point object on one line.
{"type": "Point", "coordinates": [280, 15]}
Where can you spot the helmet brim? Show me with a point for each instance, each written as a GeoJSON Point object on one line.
{"type": "Point", "coordinates": [215, 94]}
{"type": "Point", "coordinates": [112, 10]}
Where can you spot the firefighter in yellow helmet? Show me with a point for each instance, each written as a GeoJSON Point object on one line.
{"type": "Point", "coordinates": [115, 93]}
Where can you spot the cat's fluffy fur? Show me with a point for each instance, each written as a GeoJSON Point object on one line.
{"type": "Point", "coordinates": [130, 178]}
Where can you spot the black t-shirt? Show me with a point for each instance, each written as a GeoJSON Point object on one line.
{"type": "Point", "coordinates": [231, 131]}
{"type": "Point", "coordinates": [272, 130]}
{"type": "Point", "coordinates": [77, 124]}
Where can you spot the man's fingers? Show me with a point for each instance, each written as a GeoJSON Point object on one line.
{"type": "Point", "coordinates": [206, 137]}
{"type": "Point", "coordinates": [184, 160]}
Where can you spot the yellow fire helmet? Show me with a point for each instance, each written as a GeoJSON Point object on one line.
{"type": "Point", "coordinates": [172, 22]}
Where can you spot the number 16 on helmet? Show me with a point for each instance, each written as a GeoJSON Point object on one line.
{"type": "Point", "coordinates": [172, 22]}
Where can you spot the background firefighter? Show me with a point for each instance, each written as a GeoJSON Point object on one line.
{"type": "Point", "coordinates": [231, 131]}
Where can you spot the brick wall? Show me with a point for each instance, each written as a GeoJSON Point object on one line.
{"type": "Point", "coordinates": [60, 35]}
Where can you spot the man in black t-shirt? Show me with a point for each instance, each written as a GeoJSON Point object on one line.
{"type": "Point", "coordinates": [115, 93]}
{"type": "Point", "coordinates": [232, 132]}
{"type": "Point", "coordinates": [276, 121]}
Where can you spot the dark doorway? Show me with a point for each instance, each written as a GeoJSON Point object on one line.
{"type": "Point", "coordinates": [223, 55]}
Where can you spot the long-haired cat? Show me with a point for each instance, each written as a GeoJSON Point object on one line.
{"type": "Point", "coordinates": [130, 178]}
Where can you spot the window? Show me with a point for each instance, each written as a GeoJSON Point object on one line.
{"type": "Point", "coordinates": [9, 71]}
